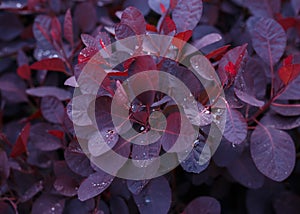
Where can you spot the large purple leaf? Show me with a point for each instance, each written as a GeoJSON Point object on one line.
{"type": "Point", "coordinates": [187, 14]}
{"type": "Point", "coordinates": [52, 109]}
{"type": "Point", "coordinates": [268, 38]}
{"type": "Point", "coordinates": [155, 197]}
{"type": "Point", "coordinates": [273, 152]}
{"type": "Point", "coordinates": [94, 185]}
{"type": "Point", "coordinates": [264, 8]}
{"type": "Point", "coordinates": [43, 91]}
{"type": "Point", "coordinates": [47, 203]}
{"type": "Point", "coordinates": [245, 172]}
{"type": "Point", "coordinates": [203, 205]}
{"type": "Point", "coordinates": [235, 127]}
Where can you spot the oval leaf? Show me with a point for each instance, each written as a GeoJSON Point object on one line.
{"type": "Point", "coordinates": [273, 152]}
{"type": "Point", "coordinates": [203, 205]}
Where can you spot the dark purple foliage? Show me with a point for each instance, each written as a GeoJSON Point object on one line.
{"type": "Point", "coordinates": [49, 147]}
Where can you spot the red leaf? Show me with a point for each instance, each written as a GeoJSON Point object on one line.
{"type": "Point", "coordinates": [24, 72]}
{"type": "Point", "coordinates": [183, 38]}
{"type": "Point", "coordinates": [289, 72]}
{"type": "Point", "coordinates": [167, 25]}
{"type": "Point", "coordinates": [56, 133]}
{"type": "Point", "coordinates": [20, 145]}
{"type": "Point", "coordinates": [68, 28]}
{"type": "Point", "coordinates": [54, 64]}
{"type": "Point", "coordinates": [56, 30]}
{"type": "Point", "coordinates": [286, 23]}
{"type": "Point", "coordinates": [288, 60]}
{"type": "Point", "coordinates": [162, 8]}
{"type": "Point", "coordinates": [151, 28]}
{"type": "Point", "coordinates": [230, 68]}
{"type": "Point", "coordinates": [218, 53]}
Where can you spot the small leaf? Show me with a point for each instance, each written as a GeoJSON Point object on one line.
{"type": "Point", "coordinates": [150, 200]}
{"type": "Point", "coordinates": [21, 144]}
{"type": "Point", "coordinates": [94, 185]}
{"type": "Point", "coordinates": [68, 27]}
{"type": "Point", "coordinates": [273, 152]}
{"type": "Point", "coordinates": [187, 14]}
{"type": "Point", "coordinates": [203, 205]}
{"type": "Point", "coordinates": [53, 64]}
{"type": "Point", "coordinates": [47, 203]}
{"type": "Point", "coordinates": [52, 109]}
{"type": "Point", "coordinates": [132, 17]}
{"type": "Point", "coordinates": [286, 109]}
{"type": "Point", "coordinates": [24, 72]}
{"type": "Point", "coordinates": [268, 38]}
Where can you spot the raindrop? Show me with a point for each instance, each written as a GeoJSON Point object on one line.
{"type": "Point", "coordinates": [147, 200]}
{"type": "Point", "coordinates": [233, 145]}
{"type": "Point", "coordinates": [142, 128]}
{"type": "Point", "coordinates": [52, 208]}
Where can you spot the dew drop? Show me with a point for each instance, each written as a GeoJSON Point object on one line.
{"type": "Point", "coordinates": [142, 128]}
{"type": "Point", "coordinates": [147, 200]}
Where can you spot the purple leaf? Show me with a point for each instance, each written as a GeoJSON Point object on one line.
{"type": "Point", "coordinates": [292, 91]}
{"type": "Point", "coordinates": [88, 40]}
{"type": "Point", "coordinates": [227, 153]}
{"type": "Point", "coordinates": [4, 167]}
{"type": "Point", "coordinates": [123, 31]}
{"type": "Point", "coordinates": [52, 109]}
{"type": "Point", "coordinates": [187, 14]}
{"type": "Point", "coordinates": [244, 89]}
{"type": "Point", "coordinates": [47, 203]}
{"type": "Point", "coordinates": [68, 27]}
{"type": "Point", "coordinates": [32, 191]}
{"type": "Point", "coordinates": [264, 8]}
{"type": "Point", "coordinates": [77, 161]}
{"type": "Point", "coordinates": [245, 172]}
{"type": "Point", "coordinates": [198, 159]}
{"type": "Point", "coordinates": [94, 185]}
{"type": "Point", "coordinates": [207, 40]}
{"type": "Point", "coordinates": [203, 205]}
{"type": "Point", "coordinates": [44, 91]}
{"type": "Point", "coordinates": [141, 5]}
{"type": "Point", "coordinates": [237, 57]}
{"type": "Point", "coordinates": [12, 26]}
{"type": "Point", "coordinates": [296, 6]}
{"type": "Point", "coordinates": [85, 16]}
{"type": "Point", "coordinates": [79, 207]}
{"type": "Point", "coordinates": [268, 38]}
{"type": "Point", "coordinates": [132, 17]}
{"type": "Point", "coordinates": [273, 152]}
{"type": "Point", "coordinates": [13, 88]}
{"type": "Point", "coordinates": [280, 122]}
{"type": "Point", "coordinates": [155, 197]}
{"type": "Point", "coordinates": [118, 205]}
{"type": "Point", "coordinates": [41, 139]}
{"type": "Point", "coordinates": [135, 187]}
{"type": "Point", "coordinates": [155, 5]}
{"type": "Point", "coordinates": [286, 109]}
{"type": "Point", "coordinates": [235, 127]}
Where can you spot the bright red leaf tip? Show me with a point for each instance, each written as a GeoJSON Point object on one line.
{"type": "Point", "coordinates": [151, 28]}
{"type": "Point", "coordinates": [183, 38]}
{"type": "Point", "coordinates": [57, 133]}
{"type": "Point", "coordinates": [21, 143]}
{"type": "Point", "coordinates": [289, 72]}
{"type": "Point", "coordinates": [288, 60]}
{"type": "Point", "coordinates": [102, 44]}
{"type": "Point", "coordinates": [162, 8]}
{"type": "Point", "coordinates": [230, 68]}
